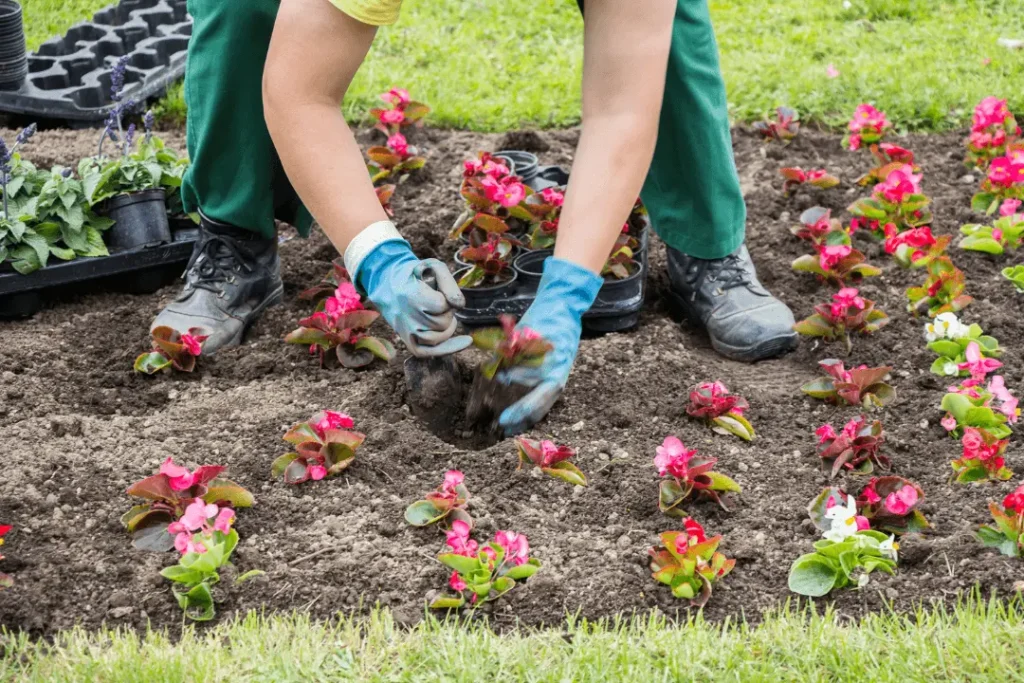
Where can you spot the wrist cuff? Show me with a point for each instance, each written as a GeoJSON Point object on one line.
{"type": "Point", "coordinates": [366, 241]}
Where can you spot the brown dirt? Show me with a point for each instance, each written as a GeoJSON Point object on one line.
{"type": "Point", "coordinates": [77, 427]}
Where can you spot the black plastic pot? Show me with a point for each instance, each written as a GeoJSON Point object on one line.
{"type": "Point", "coordinates": [483, 297]}
{"type": "Point", "coordinates": [523, 164]}
{"type": "Point", "coordinates": [529, 268]}
{"type": "Point", "coordinates": [140, 220]}
{"type": "Point", "coordinates": [13, 55]}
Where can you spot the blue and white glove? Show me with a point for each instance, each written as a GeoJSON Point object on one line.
{"type": "Point", "coordinates": [417, 298]}
{"type": "Point", "coordinates": [565, 293]}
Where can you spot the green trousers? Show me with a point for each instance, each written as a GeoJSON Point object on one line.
{"type": "Point", "coordinates": [692, 190]}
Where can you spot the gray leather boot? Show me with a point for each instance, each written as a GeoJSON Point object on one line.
{"type": "Point", "coordinates": [745, 322]}
{"type": "Point", "coordinates": [232, 277]}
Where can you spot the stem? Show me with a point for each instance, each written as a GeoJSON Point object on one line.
{"type": "Point", "coordinates": [3, 183]}
{"type": "Point", "coordinates": [849, 344]}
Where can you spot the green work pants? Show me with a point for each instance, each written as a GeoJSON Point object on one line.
{"type": "Point", "coordinates": [692, 190]}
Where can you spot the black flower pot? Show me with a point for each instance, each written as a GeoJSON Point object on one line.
{"type": "Point", "coordinates": [140, 220]}
{"type": "Point", "coordinates": [483, 297]}
{"type": "Point", "coordinates": [529, 268]}
{"type": "Point", "coordinates": [13, 55]}
{"type": "Point", "coordinates": [523, 164]}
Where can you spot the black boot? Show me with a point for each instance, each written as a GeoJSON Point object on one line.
{"type": "Point", "coordinates": [232, 277]}
{"type": "Point", "coordinates": [744, 321]}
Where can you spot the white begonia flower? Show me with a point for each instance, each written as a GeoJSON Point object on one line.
{"type": "Point", "coordinates": [889, 547]}
{"type": "Point", "coordinates": [945, 326]}
{"type": "Point", "coordinates": [844, 521]}
{"type": "Point", "coordinates": [950, 369]}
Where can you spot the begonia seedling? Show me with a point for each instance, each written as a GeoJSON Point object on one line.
{"type": "Point", "coordinates": [982, 458]}
{"type": "Point", "coordinates": [888, 504]}
{"type": "Point", "coordinates": [168, 493]}
{"type": "Point", "coordinates": [483, 574]}
{"type": "Point", "coordinates": [949, 339]}
{"type": "Point", "coordinates": [621, 264]}
{"type": "Point", "coordinates": [688, 477]}
{"type": "Point", "coordinates": [942, 292]}
{"type": "Point", "coordinates": [860, 386]}
{"type": "Point", "coordinates": [847, 314]}
{"type": "Point", "coordinates": [991, 409]}
{"type": "Point", "coordinates": [401, 112]}
{"type": "Point", "coordinates": [896, 200]}
{"type": "Point", "coordinates": [1015, 274]}
{"type": "Point", "coordinates": [795, 177]}
{"type": "Point", "coordinates": [689, 563]}
{"type": "Point", "coordinates": [384, 195]}
{"type": "Point", "coordinates": [783, 127]}
{"type": "Point", "coordinates": [5, 579]}
{"type": "Point", "coordinates": [868, 126]}
{"type": "Point", "coordinates": [394, 161]}
{"type": "Point", "coordinates": [889, 157]}
{"type": "Point", "coordinates": [856, 447]}
{"type": "Point", "coordinates": [551, 458]}
{"type": "Point", "coordinates": [493, 198]}
{"type": "Point", "coordinates": [1003, 185]}
{"type": "Point", "coordinates": [994, 132]}
{"type": "Point", "coordinates": [171, 349]}
{"type": "Point", "coordinates": [915, 248]}
{"type": "Point", "coordinates": [1008, 533]}
{"type": "Point", "coordinates": [488, 260]}
{"type": "Point", "coordinates": [325, 446]}
{"type": "Point", "coordinates": [205, 538]}
{"type": "Point", "coordinates": [848, 545]}
{"type": "Point", "coordinates": [545, 208]}
{"type": "Point", "coordinates": [836, 262]}
{"type": "Point", "coordinates": [340, 325]}
{"type": "Point", "coordinates": [445, 504]}
{"type": "Point", "coordinates": [1007, 233]}
{"type": "Point", "coordinates": [510, 346]}
{"type": "Point", "coordinates": [817, 225]}
{"type": "Point", "coordinates": [712, 402]}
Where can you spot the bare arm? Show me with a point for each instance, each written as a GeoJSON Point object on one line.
{"type": "Point", "coordinates": [315, 52]}
{"type": "Point", "coordinates": [625, 56]}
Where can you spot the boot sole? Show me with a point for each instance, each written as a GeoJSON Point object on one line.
{"type": "Point", "coordinates": [763, 350]}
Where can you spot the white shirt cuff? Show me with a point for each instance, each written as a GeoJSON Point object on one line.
{"type": "Point", "coordinates": [366, 241]}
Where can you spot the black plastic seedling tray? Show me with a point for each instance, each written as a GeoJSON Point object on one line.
{"type": "Point", "coordinates": [69, 77]}
{"type": "Point", "coordinates": [136, 271]}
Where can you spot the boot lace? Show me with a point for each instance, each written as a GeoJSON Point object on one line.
{"type": "Point", "coordinates": [216, 262]}
{"type": "Point", "coordinates": [728, 273]}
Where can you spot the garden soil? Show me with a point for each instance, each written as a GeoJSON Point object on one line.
{"type": "Point", "coordinates": [77, 426]}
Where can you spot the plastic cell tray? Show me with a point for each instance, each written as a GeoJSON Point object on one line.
{"type": "Point", "coordinates": [69, 77]}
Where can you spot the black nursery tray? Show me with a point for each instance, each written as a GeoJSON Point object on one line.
{"type": "Point", "coordinates": [136, 271]}
{"type": "Point", "coordinates": [617, 307]}
{"type": "Point", "coordinates": [69, 77]}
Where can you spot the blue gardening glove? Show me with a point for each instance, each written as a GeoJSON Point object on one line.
{"type": "Point", "coordinates": [415, 297]}
{"type": "Point", "coordinates": [566, 292]}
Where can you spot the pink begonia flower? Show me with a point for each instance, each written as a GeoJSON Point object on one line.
{"type": "Point", "coordinates": [862, 523]}
{"type": "Point", "coordinates": [225, 518]}
{"type": "Point", "coordinates": [495, 169]}
{"type": "Point", "coordinates": [345, 300]}
{"type": "Point", "coordinates": [694, 530]}
{"type": "Point", "coordinates": [825, 433]}
{"type": "Point", "coordinates": [396, 96]}
{"type": "Point", "coordinates": [507, 192]}
{"type": "Point", "coordinates": [197, 513]}
{"type": "Point", "coordinates": [1009, 207]}
{"type": "Point", "coordinates": [978, 365]}
{"type": "Point", "coordinates": [1009, 402]}
{"type": "Point", "coordinates": [452, 478]}
{"type": "Point", "coordinates": [399, 145]}
{"type": "Point", "coordinates": [831, 71]}
{"type": "Point", "coordinates": [185, 544]}
{"type": "Point", "coordinates": [1006, 171]}
{"type": "Point", "coordinates": [830, 255]}
{"type": "Point", "coordinates": [900, 502]}
{"type": "Point", "coordinates": [316, 472]}
{"type": "Point", "coordinates": [816, 174]}
{"type": "Point", "coordinates": [392, 117]}
{"type": "Point", "coordinates": [459, 541]}
{"type": "Point", "coordinates": [991, 111]}
{"type": "Point", "coordinates": [1014, 501]}
{"type": "Point", "coordinates": [673, 458]}
{"type": "Point", "coordinates": [851, 428]}
{"type": "Point", "coordinates": [191, 344]}
{"type": "Point", "coordinates": [516, 547]}
{"type": "Point", "coordinates": [552, 454]}
{"type": "Point", "coordinates": [899, 184]}
{"type": "Point", "coordinates": [845, 299]}
{"type": "Point", "coordinates": [997, 234]}
{"type": "Point", "coordinates": [456, 583]}
{"type": "Point", "coordinates": [330, 420]}
{"type": "Point", "coordinates": [552, 196]}
{"type": "Point", "coordinates": [866, 116]}
{"type": "Point", "coordinates": [854, 143]}
{"type": "Point", "coordinates": [972, 441]}
{"type": "Point", "coordinates": [948, 423]}
{"type": "Point", "coordinates": [471, 167]}
{"type": "Point", "coordinates": [178, 477]}
{"type": "Point", "coordinates": [917, 238]}
{"type": "Point", "coordinates": [870, 495]}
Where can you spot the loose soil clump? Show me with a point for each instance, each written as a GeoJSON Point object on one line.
{"type": "Point", "coordinates": [77, 426]}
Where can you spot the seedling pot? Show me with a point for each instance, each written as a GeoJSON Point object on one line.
{"type": "Point", "coordinates": [13, 54]}
{"type": "Point", "coordinates": [529, 268]}
{"type": "Point", "coordinates": [483, 297]}
{"type": "Point", "coordinates": [140, 220]}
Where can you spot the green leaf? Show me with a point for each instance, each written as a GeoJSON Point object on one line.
{"type": "Point", "coordinates": [153, 539]}
{"type": "Point", "coordinates": [523, 571]}
{"type": "Point", "coordinates": [281, 464]}
{"type": "Point", "coordinates": [823, 388]}
{"type": "Point", "coordinates": [378, 347]}
{"type": "Point", "coordinates": [251, 574]}
{"type": "Point", "coordinates": [945, 347]}
{"type": "Point", "coordinates": [423, 513]}
{"type": "Point", "coordinates": [199, 603]}
{"type": "Point", "coordinates": [461, 564]}
{"type": "Point", "coordinates": [152, 363]}
{"type": "Point", "coordinates": [488, 338]}
{"type": "Point", "coordinates": [720, 482]}
{"type": "Point", "coordinates": [180, 574]}
{"type": "Point", "coordinates": [566, 471]}
{"type": "Point", "coordinates": [734, 424]}
{"type": "Point", "coordinates": [812, 575]}
{"type": "Point", "coordinates": [981, 243]}
{"type": "Point", "coordinates": [448, 602]}
{"type": "Point", "coordinates": [225, 490]}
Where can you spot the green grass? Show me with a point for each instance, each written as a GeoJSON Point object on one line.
{"type": "Point", "coordinates": [975, 642]}
{"type": "Point", "coordinates": [497, 65]}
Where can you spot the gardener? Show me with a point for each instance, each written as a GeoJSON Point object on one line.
{"type": "Point", "coordinates": [236, 182]}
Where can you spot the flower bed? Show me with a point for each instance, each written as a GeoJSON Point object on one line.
{"type": "Point", "coordinates": [69, 397]}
